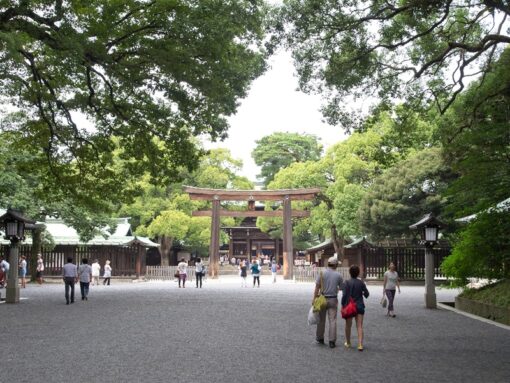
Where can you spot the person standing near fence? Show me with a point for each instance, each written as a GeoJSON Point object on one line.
{"type": "Point", "coordinates": [96, 272]}
{"type": "Point", "coordinates": [199, 270]}
{"type": "Point", "coordinates": [274, 270]}
{"type": "Point", "coordinates": [391, 283]}
{"type": "Point", "coordinates": [107, 273]}
{"type": "Point", "coordinates": [4, 265]}
{"type": "Point", "coordinates": [39, 269]}
{"type": "Point", "coordinates": [355, 288]}
{"type": "Point", "coordinates": [255, 270]}
{"type": "Point", "coordinates": [328, 283]}
{"type": "Point", "coordinates": [182, 267]}
{"type": "Point", "coordinates": [70, 276]}
{"type": "Point", "coordinates": [23, 271]}
{"type": "Point", "coordinates": [85, 275]}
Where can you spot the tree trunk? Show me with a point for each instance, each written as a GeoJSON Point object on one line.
{"type": "Point", "coordinates": [165, 246]}
{"type": "Point", "coordinates": [338, 243]}
{"type": "Point", "coordinates": [36, 249]}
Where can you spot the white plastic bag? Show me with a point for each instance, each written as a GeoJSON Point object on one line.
{"type": "Point", "coordinates": [313, 318]}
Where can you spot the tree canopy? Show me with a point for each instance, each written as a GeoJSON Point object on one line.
{"type": "Point", "coordinates": [406, 49]}
{"type": "Point", "coordinates": [135, 78]}
{"type": "Point", "coordinates": [280, 149]}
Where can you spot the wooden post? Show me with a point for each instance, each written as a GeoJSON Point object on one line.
{"type": "Point", "coordinates": [214, 246]}
{"type": "Point", "coordinates": [138, 265]}
{"type": "Point", "coordinates": [288, 256]}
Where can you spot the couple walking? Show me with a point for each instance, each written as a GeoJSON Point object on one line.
{"type": "Point", "coordinates": [329, 283]}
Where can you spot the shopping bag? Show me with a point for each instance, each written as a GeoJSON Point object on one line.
{"type": "Point", "coordinates": [384, 302]}
{"type": "Point", "coordinates": [313, 317]}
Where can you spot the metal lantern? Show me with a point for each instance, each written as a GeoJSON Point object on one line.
{"type": "Point", "coordinates": [429, 226]}
{"type": "Point", "coordinates": [14, 225]}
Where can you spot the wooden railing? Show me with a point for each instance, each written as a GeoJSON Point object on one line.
{"type": "Point", "coordinates": [166, 273]}
{"type": "Point", "coordinates": [309, 273]}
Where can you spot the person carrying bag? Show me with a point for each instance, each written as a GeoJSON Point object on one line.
{"type": "Point", "coordinates": [327, 285]}
{"type": "Point", "coordinates": [353, 305]}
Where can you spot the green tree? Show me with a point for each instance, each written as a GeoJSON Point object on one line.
{"type": "Point", "coordinates": [409, 49]}
{"type": "Point", "coordinates": [404, 192]}
{"type": "Point", "coordinates": [476, 136]}
{"type": "Point", "coordinates": [152, 74]}
{"type": "Point", "coordinates": [280, 149]}
{"type": "Point", "coordinates": [156, 205]}
{"type": "Point", "coordinates": [482, 249]}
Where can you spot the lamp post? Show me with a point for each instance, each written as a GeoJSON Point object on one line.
{"type": "Point", "coordinates": [14, 227]}
{"type": "Point", "coordinates": [429, 227]}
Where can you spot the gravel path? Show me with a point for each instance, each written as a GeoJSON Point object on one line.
{"type": "Point", "coordinates": [156, 332]}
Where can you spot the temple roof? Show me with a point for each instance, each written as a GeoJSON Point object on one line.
{"type": "Point", "coordinates": [64, 234]}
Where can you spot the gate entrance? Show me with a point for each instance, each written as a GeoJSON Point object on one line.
{"type": "Point", "coordinates": [250, 196]}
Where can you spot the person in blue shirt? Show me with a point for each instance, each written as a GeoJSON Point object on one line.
{"type": "Point", "coordinates": [255, 271]}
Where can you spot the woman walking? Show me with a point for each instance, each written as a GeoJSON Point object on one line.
{"type": "Point", "coordinates": [255, 270]}
{"type": "Point", "coordinates": [243, 273]}
{"type": "Point", "coordinates": [390, 285]}
{"type": "Point", "coordinates": [354, 288]}
{"type": "Point", "coordinates": [23, 271]}
{"type": "Point", "coordinates": [182, 267]}
{"type": "Point", "coordinates": [199, 271]}
{"type": "Point", "coordinates": [107, 273]}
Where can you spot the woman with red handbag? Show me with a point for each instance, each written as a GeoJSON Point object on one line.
{"type": "Point", "coordinates": [353, 305]}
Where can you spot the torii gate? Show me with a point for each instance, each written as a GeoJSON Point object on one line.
{"type": "Point", "coordinates": [218, 195]}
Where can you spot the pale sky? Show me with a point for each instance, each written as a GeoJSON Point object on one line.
{"type": "Point", "coordinates": [273, 105]}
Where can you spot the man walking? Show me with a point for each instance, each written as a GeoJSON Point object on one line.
{"type": "Point", "coordinates": [70, 275]}
{"type": "Point", "coordinates": [328, 283]}
{"type": "Point", "coordinates": [85, 275]}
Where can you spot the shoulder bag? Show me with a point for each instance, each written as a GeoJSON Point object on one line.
{"type": "Point", "coordinates": [320, 303]}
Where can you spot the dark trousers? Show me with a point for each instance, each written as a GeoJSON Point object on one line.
{"type": "Point", "coordinates": [84, 288]}
{"type": "Point", "coordinates": [182, 277]}
{"type": "Point", "coordinates": [199, 278]}
{"type": "Point", "coordinates": [256, 279]}
{"type": "Point", "coordinates": [69, 282]}
{"type": "Point", "coordinates": [106, 281]}
{"type": "Point", "coordinates": [391, 296]}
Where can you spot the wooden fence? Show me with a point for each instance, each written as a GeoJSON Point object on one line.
{"type": "Point", "coordinates": [309, 273]}
{"type": "Point", "coordinates": [167, 273]}
{"type": "Point", "coordinates": [123, 259]}
{"type": "Point", "coordinates": [409, 261]}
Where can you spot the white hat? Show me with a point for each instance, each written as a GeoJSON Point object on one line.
{"type": "Point", "coordinates": [332, 261]}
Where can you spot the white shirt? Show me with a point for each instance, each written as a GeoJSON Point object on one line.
{"type": "Point", "coordinates": [183, 267]}
{"type": "Point", "coordinates": [96, 268]}
{"type": "Point", "coordinates": [391, 280]}
{"type": "Point", "coordinates": [107, 271]}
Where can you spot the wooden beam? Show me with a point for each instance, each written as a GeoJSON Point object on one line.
{"type": "Point", "coordinates": [251, 195]}
{"type": "Point", "coordinates": [261, 213]}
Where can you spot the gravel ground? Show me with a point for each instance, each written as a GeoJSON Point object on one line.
{"type": "Point", "coordinates": [156, 332]}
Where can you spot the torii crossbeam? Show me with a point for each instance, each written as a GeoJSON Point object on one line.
{"type": "Point", "coordinates": [218, 195]}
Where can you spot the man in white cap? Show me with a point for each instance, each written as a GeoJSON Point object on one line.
{"type": "Point", "coordinates": [328, 283]}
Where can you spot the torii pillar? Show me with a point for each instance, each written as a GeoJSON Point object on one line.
{"type": "Point", "coordinates": [216, 196]}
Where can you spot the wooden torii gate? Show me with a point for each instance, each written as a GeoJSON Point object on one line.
{"type": "Point", "coordinates": [218, 195]}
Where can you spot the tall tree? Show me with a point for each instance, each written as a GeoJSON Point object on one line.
{"type": "Point", "coordinates": [404, 192]}
{"type": "Point", "coordinates": [280, 149]}
{"type": "Point", "coordinates": [152, 74]}
{"type": "Point", "coordinates": [391, 48]}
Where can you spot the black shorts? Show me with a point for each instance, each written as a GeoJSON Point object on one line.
{"type": "Point", "coordinates": [38, 274]}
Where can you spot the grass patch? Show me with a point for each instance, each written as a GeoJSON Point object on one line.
{"type": "Point", "coordinates": [497, 294]}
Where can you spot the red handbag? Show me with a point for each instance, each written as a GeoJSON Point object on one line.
{"type": "Point", "coordinates": [350, 309]}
